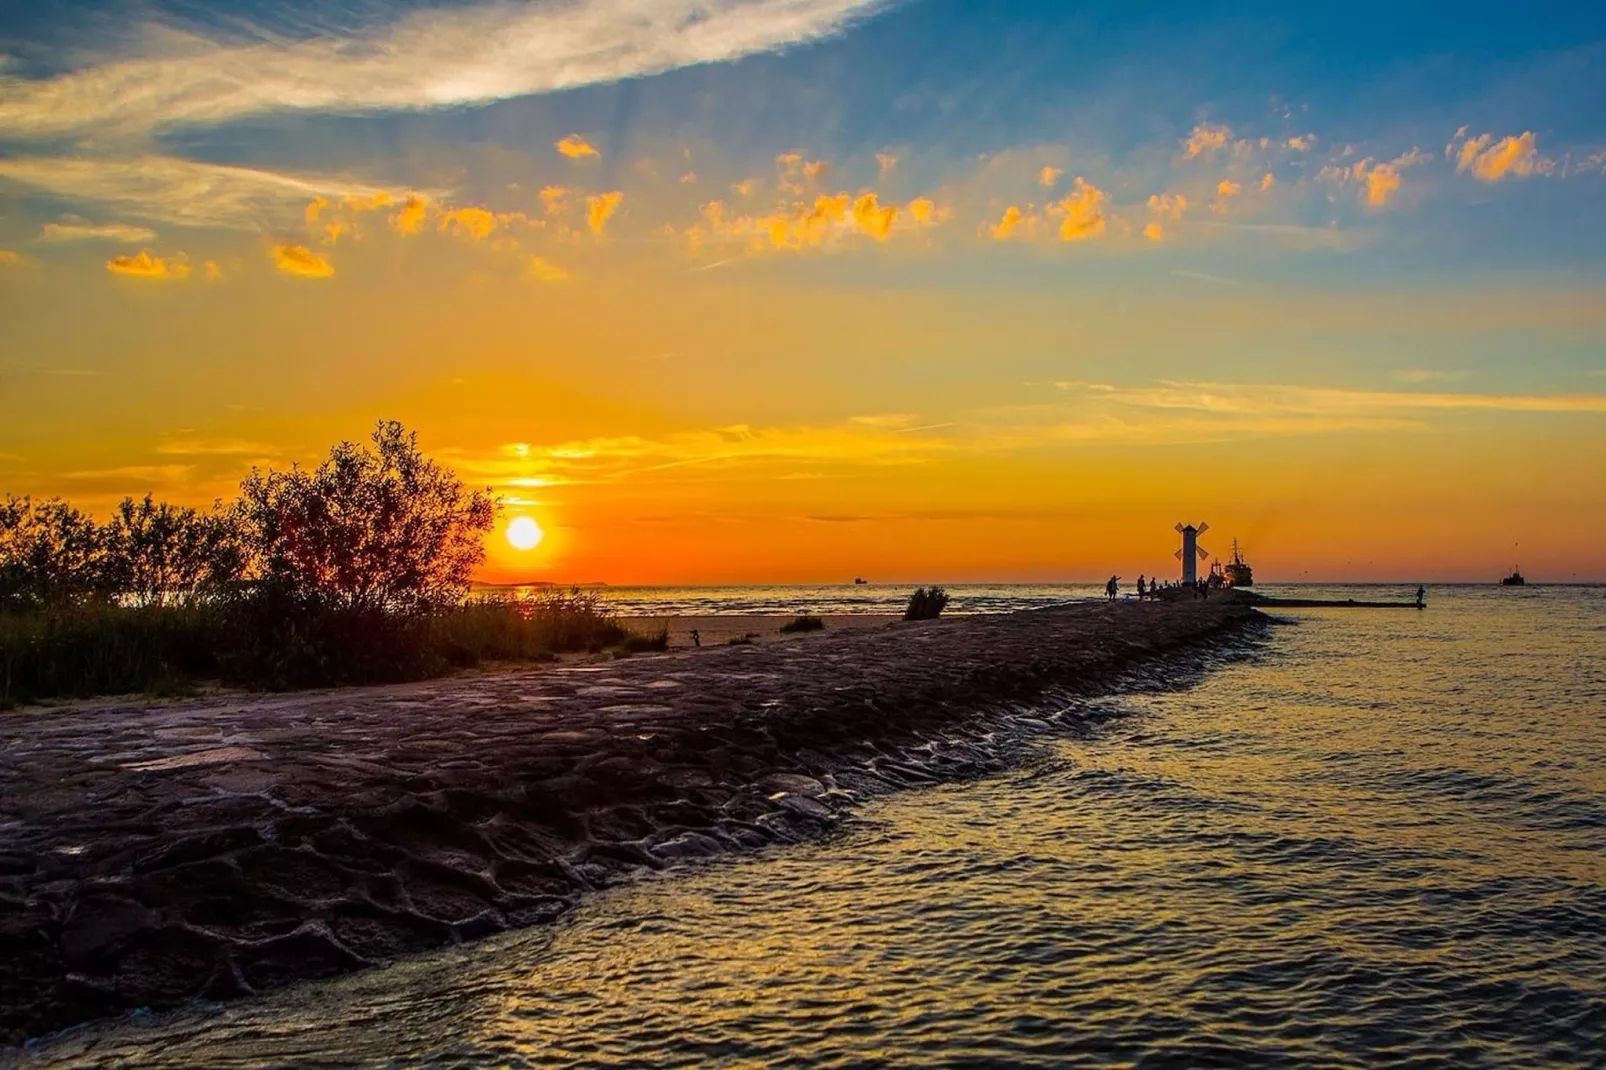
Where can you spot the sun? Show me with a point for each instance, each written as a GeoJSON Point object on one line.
{"type": "Point", "coordinates": [523, 533]}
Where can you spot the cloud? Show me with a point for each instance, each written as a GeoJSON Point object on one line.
{"type": "Point", "coordinates": [440, 57]}
{"type": "Point", "coordinates": [217, 447]}
{"type": "Point", "coordinates": [143, 473]}
{"type": "Point", "coordinates": [142, 265]}
{"type": "Point", "coordinates": [887, 419]}
{"type": "Point", "coordinates": [1205, 139]}
{"type": "Point", "coordinates": [600, 208]}
{"type": "Point", "coordinates": [1048, 177]}
{"type": "Point", "coordinates": [477, 223]}
{"type": "Point", "coordinates": [409, 218]}
{"type": "Point", "coordinates": [214, 273]}
{"type": "Point", "coordinates": [1083, 210]}
{"type": "Point", "coordinates": [922, 210]}
{"type": "Point", "coordinates": [1490, 160]}
{"type": "Point", "coordinates": [885, 162]}
{"type": "Point", "coordinates": [1012, 221]}
{"type": "Point", "coordinates": [874, 218]}
{"type": "Point", "coordinates": [300, 261]}
{"type": "Point", "coordinates": [1202, 276]}
{"type": "Point", "coordinates": [1427, 375]}
{"type": "Point", "coordinates": [1168, 205]}
{"type": "Point", "coordinates": [815, 170]}
{"type": "Point", "coordinates": [574, 147]}
{"type": "Point", "coordinates": [1378, 182]}
{"type": "Point", "coordinates": [10, 256]}
{"type": "Point", "coordinates": [1154, 232]}
{"type": "Point", "coordinates": [69, 230]}
{"type": "Point", "coordinates": [1267, 181]}
{"type": "Point", "coordinates": [739, 447]}
{"type": "Point", "coordinates": [1282, 399]}
{"type": "Point", "coordinates": [552, 199]}
{"type": "Point", "coordinates": [544, 271]}
{"type": "Point", "coordinates": [1302, 142]}
{"type": "Point", "coordinates": [184, 192]}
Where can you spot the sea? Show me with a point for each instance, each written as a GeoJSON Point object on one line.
{"type": "Point", "coordinates": [1370, 838]}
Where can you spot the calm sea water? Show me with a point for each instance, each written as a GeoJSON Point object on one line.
{"type": "Point", "coordinates": [1379, 841]}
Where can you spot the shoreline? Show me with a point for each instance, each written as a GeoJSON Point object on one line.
{"type": "Point", "coordinates": [150, 855]}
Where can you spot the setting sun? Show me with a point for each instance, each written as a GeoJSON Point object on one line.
{"type": "Point", "coordinates": [523, 533]}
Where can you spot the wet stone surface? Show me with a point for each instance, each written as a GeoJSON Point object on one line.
{"type": "Point", "coordinates": [211, 849]}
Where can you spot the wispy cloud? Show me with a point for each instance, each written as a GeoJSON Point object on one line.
{"type": "Point", "coordinates": [70, 230]}
{"type": "Point", "coordinates": [446, 57]}
{"type": "Point", "coordinates": [1278, 399]}
{"type": "Point", "coordinates": [300, 261]}
{"type": "Point", "coordinates": [180, 191]}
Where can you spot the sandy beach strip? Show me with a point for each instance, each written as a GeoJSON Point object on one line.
{"type": "Point", "coordinates": [153, 854]}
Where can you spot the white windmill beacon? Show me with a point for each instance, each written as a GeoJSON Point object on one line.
{"type": "Point", "coordinates": [1192, 553]}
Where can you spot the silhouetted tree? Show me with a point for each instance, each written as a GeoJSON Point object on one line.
{"type": "Point", "coordinates": [377, 527]}
{"type": "Point", "coordinates": [159, 554]}
{"type": "Point", "coordinates": [50, 554]}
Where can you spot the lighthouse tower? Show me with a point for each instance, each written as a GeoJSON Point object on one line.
{"type": "Point", "coordinates": [1192, 553]}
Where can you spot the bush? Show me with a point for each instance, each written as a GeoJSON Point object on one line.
{"type": "Point", "coordinates": [927, 603]}
{"type": "Point", "coordinates": [641, 644]}
{"type": "Point", "coordinates": [804, 623]}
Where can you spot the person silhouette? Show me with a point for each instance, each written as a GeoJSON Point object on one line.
{"type": "Point", "coordinates": [1143, 590]}
{"type": "Point", "coordinates": [1421, 596]}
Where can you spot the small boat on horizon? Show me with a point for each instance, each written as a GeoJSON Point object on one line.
{"type": "Point", "coordinates": [1514, 580]}
{"type": "Point", "coordinates": [859, 581]}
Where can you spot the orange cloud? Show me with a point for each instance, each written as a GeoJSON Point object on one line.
{"type": "Point", "coordinates": [544, 271]}
{"type": "Point", "coordinates": [214, 273]}
{"type": "Point", "coordinates": [1006, 227]}
{"type": "Point", "coordinates": [9, 256]}
{"type": "Point", "coordinates": [318, 205]}
{"type": "Point", "coordinates": [372, 203]}
{"type": "Point", "coordinates": [477, 223]}
{"type": "Point", "coordinates": [815, 170]}
{"type": "Point", "coordinates": [923, 210]}
{"type": "Point", "coordinates": [1378, 181]}
{"type": "Point", "coordinates": [1491, 161]}
{"type": "Point", "coordinates": [600, 208]}
{"type": "Point", "coordinates": [1267, 181]}
{"type": "Point", "coordinates": [1227, 188]}
{"type": "Point", "coordinates": [1154, 232]}
{"type": "Point", "coordinates": [333, 231]}
{"type": "Point", "coordinates": [874, 218]}
{"type": "Point", "coordinates": [142, 265]}
{"type": "Point", "coordinates": [1206, 139]}
{"type": "Point", "coordinates": [1084, 212]}
{"type": "Point", "coordinates": [745, 188]}
{"type": "Point", "coordinates": [885, 162]}
{"type": "Point", "coordinates": [552, 199]}
{"type": "Point", "coordinates": [409, 219]}
{"type": "Point", "coordinates": [689, 178]}
{"type": "Point", "coordinates": [575, 147]}
{"type": "Point", "coordinates": [301, 261]}
{"type": "Point", "coordinates": [1302, 142]}
{"type": "Point", "coordinates": [1168, 205]}
{"type": "Point", "coordinates": [1048, 176]}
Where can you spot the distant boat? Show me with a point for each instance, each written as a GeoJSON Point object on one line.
{"type": "Point", "coordinates": [1514, 580]}
{"type": "Point", "coordinates": [1239, 574]}
{"type": "Point", "coordinates": [860, 580]}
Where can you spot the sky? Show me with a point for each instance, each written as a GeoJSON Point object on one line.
{"type": "Point", "coordinates": [733, 291]}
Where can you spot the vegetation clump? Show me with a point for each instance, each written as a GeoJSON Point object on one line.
{"type": "Point", "coordinates": [804, 623]}
{"type": "Point", "coordinates": [356, 571]}
{"type": "Point", "coordinates": [927, 603]}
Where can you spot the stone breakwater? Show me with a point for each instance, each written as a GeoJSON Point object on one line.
{"type": "Point", "coordinates": [211, 849]}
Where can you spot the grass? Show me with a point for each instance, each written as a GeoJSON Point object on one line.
{"type": "Point", "coordinates": [105, 649]}
{"type": "Point", "coordinates": [927, 603]}
{"type": "Point", "coordinates": [804, 623]}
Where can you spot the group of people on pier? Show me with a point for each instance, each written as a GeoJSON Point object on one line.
{"type": "Point", "coordinates": [1151, 588]}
